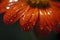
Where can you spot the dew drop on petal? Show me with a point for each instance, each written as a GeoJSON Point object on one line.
{"type": "Point", "coordinates": [7, 7]}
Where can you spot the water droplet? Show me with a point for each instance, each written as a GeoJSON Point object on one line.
{"type": "Point", "coordinates": [7, 7]}
{"type": "Point", "coordinates": [10, 20]}
{"type": "Point", "coordinates": [10, 0]}
{"type": "Point", "coordinates": [15, 0]}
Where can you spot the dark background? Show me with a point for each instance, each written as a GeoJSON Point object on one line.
{"type": "Point", "coordinates": [13, 32]}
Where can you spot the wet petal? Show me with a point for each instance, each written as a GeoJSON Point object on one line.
{"type": "Point", "coordinates": [3, 4]}
{"type": "Point", "coordinates": [44, 25]}
{"type": "Point", "coordinates": [24, 20]}
{"type": "Point", "coordinates": [12, 15]}
{"type": "Point", "coordinates": [33, 19]}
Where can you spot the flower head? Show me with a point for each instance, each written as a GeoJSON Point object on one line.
{"type": "Point", "coordinates": [41, 15]}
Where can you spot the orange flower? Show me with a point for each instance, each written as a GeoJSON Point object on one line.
{"type": "Point", "coordinates": [41, 15]}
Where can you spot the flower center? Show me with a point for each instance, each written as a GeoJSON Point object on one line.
{"type": "Point", "coordinates": [38, 3]}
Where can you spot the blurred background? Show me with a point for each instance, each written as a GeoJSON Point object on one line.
{"type": "Point", "coordinates": [14, 32]}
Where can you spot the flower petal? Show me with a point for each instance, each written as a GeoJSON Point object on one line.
{"type": "Point", "coordinates": [3, 4]}
{"type": "Point", "coordinates": [44, 25]}
{"type": "Point", "coordinates": [33, 19]}
{"type": "Point", "coordinates": [24, 20]}
{"type": "Point", "coordinates": [12, 15]}
{"type": "Point", "coordinates": [55, 5]}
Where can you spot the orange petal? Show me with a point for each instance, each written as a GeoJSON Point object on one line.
{"type": "Point", "coordinates": [44, 27]}
{"type": "Point", "coordinates": [2, 10]}
{"type": "Point", "coordinates": [55, 5]}
{"type": "Point", "coordinates": [12, 15]}
{"type": "Point", "coordinates": [33, 19]}
{"type": "Point", "coordinates": [24, 20]}
{"type": "Point", "coordinates": [3, 4]}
